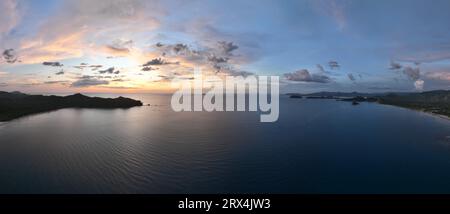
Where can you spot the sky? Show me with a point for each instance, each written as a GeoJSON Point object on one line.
{"type": "Point", "coordinates": [139, 46]}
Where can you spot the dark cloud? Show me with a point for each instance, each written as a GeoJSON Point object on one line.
{"type": "Point", "coordinates": [351, 77]}
{"type": "Point", "coordinates": [54, 64]}
{"type": "Point", "coordinates": [180, 48]}
{"type": "Point", "coordinates": [148, 68]}
{"type": "Point", "coordinates": [304, 75]}
{"type": "Point", "coordinates": [110, 70]}
{"type": "Point", "coordinates": [395, 66]}
{"type": "Point", "coordinates": [118, 80]}
{"type": "Point", "coordinates": [333, 65]}
{"type": "Point", "coordinates": [95, 67]}
{"type": "Point", "coordinates": [228, 47]}
{"type": "Point", "coordinates": [412, 73]}
{"type": "Point", "coordinates": [176, 49]}
{"type": "Point", "coordinates": [3, 84]}
{"type": "Point", "coordinates": [158, 61]}
{"type": "Point", "coordinates": [218, 62]}
{"type": "Point", "coordinates": [165, 77]}
{"type": "Point", "coordinates": [86, 81]}
{"type": "Point", "coordinates": [218, 56]}
{"type": "Point", "coordinates": [59, 73]}
{"type": "Point", "coordinates": [9, 55]}
{"type": "Point", "coordinates": [81, 66]}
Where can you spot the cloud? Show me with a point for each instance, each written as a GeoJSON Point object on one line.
{"type": "Point", "coordinates": [81, 67]}
{"type": "Point", "coordinates": [165, 78]}
{"type": "Point", "coordinates": [412, 73]}
{"type": "Point", "coordinates": [95, 67]}
{"type": "Point", "coordinates": [320, 67]}
{"type": "Point", "coordinates": [418, 84]}
{"type": "Point", "coordinates": [10, 16]}
{"type": "Point", "coordinates": [9, 55]}
{"type": "Point", "coordinates": [304, 75]}
{"type": "Point", "coordinates": [351, 77]}
{"type": "Point", "coordinates": [120, 46]}
{"type": "Point", "coordinates": [75, 27]}
{"type": "Point", "coordinates": [173, 49]}
{"type": "Point", "coordinates": [62, 82]}
{"type": "Point", "coordinates": [333, 65]}
{"type": "Point", "coordinates": [148, 68]}
{"type": "Point", "coordinates": [227, 47]}
{"type": "Point", "coordinates": [86, 81]}
{"type": "Point", "coordinates": [54, 64]}
{"type": "Point", "coordinates": [118, 80]}
{"type": "Point", "coordinates": [217, 55]}
{"type": "Point", "coordinates": [178, 48]}
{"type": "Point", "coordinates": [218, 63]}
{"type": "Point", "coordinates": [60, 72]}
{"type": "Point", "coordinates": [239, 73]}
{"type": "Point", "coordinates": [157, 62]}
{"type": "Point", "coordinates": [440, 74]}
{"type": "Point", "coordinates": [110, 70]}
{"type": "Point", "coordinates": [428, 54]}
{"type": "Point", "coordinates": [395, 66]}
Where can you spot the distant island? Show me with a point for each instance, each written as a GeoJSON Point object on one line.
{"type": "Point", "coordinates": [436, 102]}
{"type": "Point", "coordinates": [15, 104]}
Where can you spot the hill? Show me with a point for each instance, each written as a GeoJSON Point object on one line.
{"type": "Point", "coordinates": [16, 104]}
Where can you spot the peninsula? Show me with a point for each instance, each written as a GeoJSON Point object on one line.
{"type": "Point", "coordinates": [15, 104]}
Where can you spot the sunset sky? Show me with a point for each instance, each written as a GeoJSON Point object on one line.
{"type": "Point", "coordinates": [54, 46]}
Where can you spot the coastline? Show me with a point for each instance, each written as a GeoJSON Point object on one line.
{"type": "Point", "coordinates": [17, 105]}
{"type": "Point", "coordinates": [441, 116]}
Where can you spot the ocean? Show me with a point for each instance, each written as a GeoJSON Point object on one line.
{"type": "Point", "coordinates": [316, 146]}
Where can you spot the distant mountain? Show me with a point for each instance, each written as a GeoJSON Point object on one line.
{"type": "Point", "coordinates": [16, 104]}
{"type": "Point", "coordinates": [437, 102]}
{"type": "Point", "coordinates": [332, 95]}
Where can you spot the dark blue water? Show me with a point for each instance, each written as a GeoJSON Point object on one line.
{"type": "Point", "coordinates": [317, 146]}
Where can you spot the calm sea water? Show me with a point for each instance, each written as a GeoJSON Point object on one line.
{"type": "Point", "coordinates": [317, 146]}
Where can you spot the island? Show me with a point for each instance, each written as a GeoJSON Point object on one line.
{"type": "Point", "coordinates": [16, 104]}
{"type": "Point", "coordinates": [436, 102]}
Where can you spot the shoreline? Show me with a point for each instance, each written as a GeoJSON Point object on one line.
{"type": "Point", "coordinates": [441, 116]}
{"type": "Point", "coordinates": [18, 105]}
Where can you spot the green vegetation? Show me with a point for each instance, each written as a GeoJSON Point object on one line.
{"type": "Point", "coordinates": [437, 102]}
{"type": "Point", "coordinates": [15, 104]}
